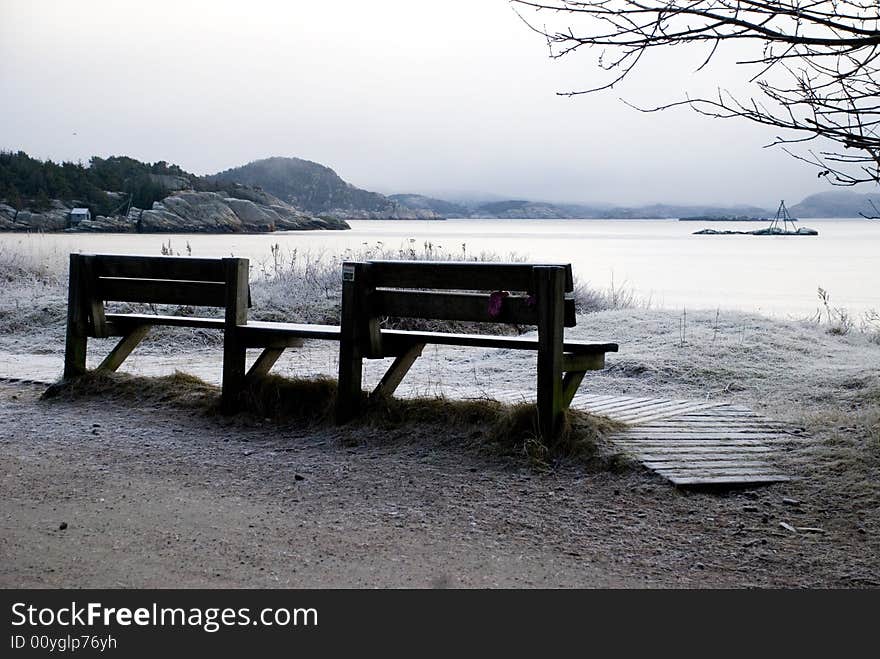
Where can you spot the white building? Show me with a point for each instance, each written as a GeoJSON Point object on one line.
{"type": "Point", "coordinates": [77, 215]}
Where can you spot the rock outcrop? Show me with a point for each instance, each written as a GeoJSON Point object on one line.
{"type": "Point", "coordinates": [238, 211]}
{"type": "Point", "coordinates": [53, 219]}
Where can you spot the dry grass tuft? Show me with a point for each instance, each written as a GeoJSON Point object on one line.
{"type": "Point", "coordinates": [178, 389]}
{"type": "Point", "coordinates": [485, 424]}
{"type": "Point", "coordinates": [505, 429]}
{"type": "Point", "coordinates": [284, 399]}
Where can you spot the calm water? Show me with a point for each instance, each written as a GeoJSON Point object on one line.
{"type": "Point", "coordinates": [659, 259]}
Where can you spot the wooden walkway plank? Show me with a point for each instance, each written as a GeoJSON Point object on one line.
{"type": "Point", "coordinates": [756, 479]}
{"type": "Point", "coordinates": [696, 464]}
{"type": "Point", "coordinates": [628, 404]}
{"type": "Point", "coordinates": [696, 442]}
{"type": "Point", "coordinates": [695, 447]}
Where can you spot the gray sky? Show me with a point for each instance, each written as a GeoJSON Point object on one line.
{"type": "Point", "coordinates": [395, 95]}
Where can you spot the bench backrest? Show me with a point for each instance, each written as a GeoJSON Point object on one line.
{"type": "Point", "coordinates": [186, 281]}
{"type": "Point", "coordinates": [512, 293]}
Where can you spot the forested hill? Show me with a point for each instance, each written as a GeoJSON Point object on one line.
{"type": "Point", "coordinates": [26, 182]}
{"type": "Point", "coordinates": [317, 189]}
{"type": "Point", "coordinates": [126, 195]}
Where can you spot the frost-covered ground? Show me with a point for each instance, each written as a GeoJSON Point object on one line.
{"type": "Point", "coordinates": [567, 527]}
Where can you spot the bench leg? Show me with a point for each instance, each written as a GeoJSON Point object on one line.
{"type": "Point", "coordinates": [234, 349]}
{"type": "Point", "coordinates": [264, 363]}
{"type": "Point", "coordinates": [75, 349]}
{"type": "Point", "coordinates": [76, 342]}
{"type": "Point", "coordinates": [350, 383]}
{"type": "Point", "coordinates": [549, 293]}
{"type": "Point", "coordinates": [123, 349]}
{"type": "Point", "coordinates": [398, 369]}
{"type": "Point", "coordinates": [234, 355]}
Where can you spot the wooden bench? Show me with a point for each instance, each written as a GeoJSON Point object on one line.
{"type": "Point", "coordinates": [510, 293]}
{"type": "Point", "coordinates": [189, 282]}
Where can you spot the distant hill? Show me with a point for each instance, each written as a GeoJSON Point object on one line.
{"type": "Point", "coordinates": [317, 189]}
{"type": "Point", "coordinates": [837, 203]}
{"type": "Point", "coordinates": [512, 209]}
{"type": "Point", "coordinates": [520, 209]}
{"type": "Point", "coordinates": [438, 206]}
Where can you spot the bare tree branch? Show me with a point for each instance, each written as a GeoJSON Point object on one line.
{"type": "Point", "coordinates": [819, 76]}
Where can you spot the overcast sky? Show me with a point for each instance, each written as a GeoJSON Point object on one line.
{"type": "Point", "coordinates": [395, 95]}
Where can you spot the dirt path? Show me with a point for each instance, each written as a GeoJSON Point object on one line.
{"type": "Point", "coordinates": [157, 494]}
{"type": "Point", "coordinates": [162, 496]}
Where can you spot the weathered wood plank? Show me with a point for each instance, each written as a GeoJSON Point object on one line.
{"type": "Point", "coordinates": [688, 432]}
{"type": "Point", "coordinates": [395, 341]}
{"type": "Point", "coordinates": [766, 468]}
{"type": "Point", "coordinates": [575, 363]}
{"type": "Point", "coordinates": [602, 401]}
{"type": "Point", "coordinates": [668, 443]}
{"type": "Point", "coordinates": [646, 416]}
{"type": "Point", "coordinates": [665, 407]}
{"type": "Point", "coordinates": [356, 282]}
{"type": "Point", "coordinates": [591, 398]}
{"type": "Point", "coordinates": [460, 275]}
{"type": "Point", "coordinates": [158, 291]}
{"type": "Point", "coordinates": [676, 451]}
{"type": "Point", "coordinates": [699, 464]}
{"type": "Point", "coordinates": [470, 307]}
{"type": "Point", "coordinates": [235, 300]}
{"type": "Point", "coordinates": [636, 435]}
{"type": "Point", "coordinates": [730, 480]}
{"type": "Point", "coordinates": [699, 457]}
{"type": "Point", "coordinates": [549, 283]}
{"type": "Point", "coordinates": [76, 341]}
{"type": "Point", "coordinates": [722, 411]}
{"type": "Point", "coordinates": [624, 405]}
{"type": "Point", "coordinates": [94, 306]}
{"type": "Point", "coordinates": [259, 334]}
{"type": "Point", "coordinates": [715, 427]}
{"type": "Point", "coordinates": [160, 267]}
{"type": "Point", "coordinates": [122, 323]}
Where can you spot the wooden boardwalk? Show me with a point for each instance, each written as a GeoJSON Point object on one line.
{"type": "Point", "coordinates": [694, 442]}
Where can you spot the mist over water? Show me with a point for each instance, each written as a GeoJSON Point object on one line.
{"type": "Point", "coordinates": [660, 260]}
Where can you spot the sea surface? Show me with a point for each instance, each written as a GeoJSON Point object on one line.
{"type": "Point", "coordinates": [660, 261]}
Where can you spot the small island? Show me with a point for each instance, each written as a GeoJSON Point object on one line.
{"type": "Point", "coordinates": [778, 227]}
{"type": "Point", "coordinates": [768, 231]}
{"type": "Point", "coordinates": [723, 218]}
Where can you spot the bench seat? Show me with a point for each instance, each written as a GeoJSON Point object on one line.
{"type": "Point", "coordinates": [122, 322]}
{"type": "Point", "coordinates": [260, 334]}
{"type": "Point", "coordinates": [395, 340]}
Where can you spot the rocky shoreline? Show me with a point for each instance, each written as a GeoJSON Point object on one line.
{"type": "Point", "coordinates": [237, 211]}
{"type": "Point", "coordinates": [802, 231]}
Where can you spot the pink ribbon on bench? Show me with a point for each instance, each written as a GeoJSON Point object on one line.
{"type": "Point", "coordinates": [496, 300]}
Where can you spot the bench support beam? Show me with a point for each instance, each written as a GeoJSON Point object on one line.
{"type": "Point", "coordinates": [583, 362]}
{"type": "Point", "coordinates": [398, 369]}
{"type": "Point", "coordinates": [264, 363]}
{"type": "Point", "coordinates": [123, 349]}
{"type": "Point", "coordinates": [570, 383]}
